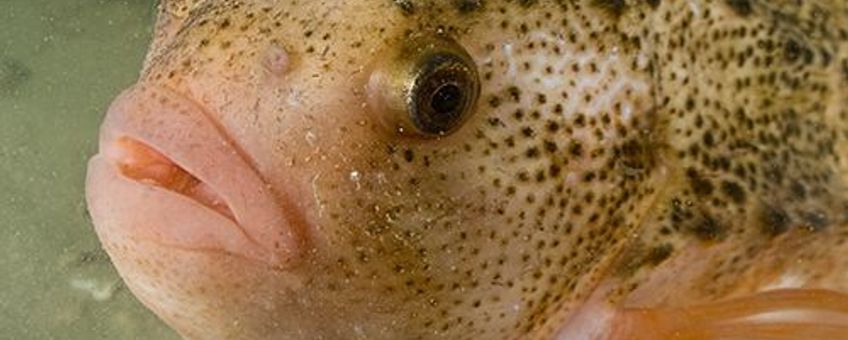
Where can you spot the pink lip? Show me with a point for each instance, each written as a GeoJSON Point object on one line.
{"type": "Point", "coordinates": [167, 173]}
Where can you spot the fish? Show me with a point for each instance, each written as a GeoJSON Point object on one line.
{"type": "Point", "coordinates": [484, 169]}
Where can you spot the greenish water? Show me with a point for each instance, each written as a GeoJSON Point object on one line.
{"type": "Point", "coordinates": [61, 63]}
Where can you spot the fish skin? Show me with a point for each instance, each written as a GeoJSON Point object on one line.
{"type": "Point", "coordinates": [622, 154]}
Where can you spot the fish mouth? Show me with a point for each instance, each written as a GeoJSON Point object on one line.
{"type": "Point", "coordinates": [167, 172]}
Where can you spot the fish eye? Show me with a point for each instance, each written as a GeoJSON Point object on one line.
{"type": "Point", "coordinates": [443, 92]}
{"type": "Point", "coordinates": [429, 88]}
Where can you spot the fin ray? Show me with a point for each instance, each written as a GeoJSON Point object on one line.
{"type": "Point", "coordinates": [765, 331]}
{"type": "Point", "coordinates": [818, 314]}
{"type": "Point", "coordinates": [776, 300]}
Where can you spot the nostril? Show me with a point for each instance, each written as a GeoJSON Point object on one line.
{"type": "Point", "coordinates": [140, 162]}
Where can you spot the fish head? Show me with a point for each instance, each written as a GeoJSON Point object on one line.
{"type": "Point", "coordinates": [375, 169]}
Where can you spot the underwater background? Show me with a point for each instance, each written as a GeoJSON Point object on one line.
{"type": "Point", "coordinates": [61, 63]}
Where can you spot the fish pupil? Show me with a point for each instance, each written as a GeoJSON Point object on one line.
{"type": "Point", "coordinates": [446, 99]}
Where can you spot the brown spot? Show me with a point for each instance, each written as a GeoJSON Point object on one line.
{"type": "Point", "coordinates": [774, 221]}
{"type": "Point", "coordinates": [406, 7]}
{"type": "Point", "coordinates": [658, 254]}
{"type": "Point", "coordinates": [701, 186]}
{"type": "Point", "coordinates": [576, 149]}
{"type": "Point", "coordinates": [741, 7]}
{"type": "Point", "coordinates": [734, 191]}
{"type": "Point", "coordinates": [614, 7]}
{"type": "Point", "coordinates": [793, 51]}
{"type": "Point", "coordinates": [468, 6]}
{"type": "Point", "coordinates": [494, 102]}
{"type": "Point", "coordinates": [815, 220]}
{"type": "Point", "coordinates": [550, 146]}
{"type": "Point", "coordinates": [799, 191]}
{"type": "Point", "coordinates": [514, 93]}
{"type": "Point", "coordinates": [708, 229]}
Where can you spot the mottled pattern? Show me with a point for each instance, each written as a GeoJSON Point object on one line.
{"type": "Point", "coordinates": [610, 137]}
{"type": "Point", "coordinates": [755, 110]}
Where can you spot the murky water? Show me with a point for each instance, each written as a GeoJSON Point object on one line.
{"type": "Point", "coordinates": [61, 62]}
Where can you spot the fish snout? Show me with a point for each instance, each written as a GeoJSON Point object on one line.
{"type": "Point", "coordinates": [168, 173]}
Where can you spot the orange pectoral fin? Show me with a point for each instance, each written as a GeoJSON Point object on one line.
{"type": "Point", "coordinates": [778, 314]}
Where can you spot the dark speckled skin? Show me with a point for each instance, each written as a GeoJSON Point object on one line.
{"type": "Point", "coordinates": [615, 144]}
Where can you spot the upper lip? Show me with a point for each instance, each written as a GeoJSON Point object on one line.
{"type": "Point", "coordinates": [186, 134]}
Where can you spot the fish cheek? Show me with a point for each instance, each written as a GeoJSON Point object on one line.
{"type": "Point", "coordinates": [404, 224]}
{"type": "Point", "coordinates": [405, 235]}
